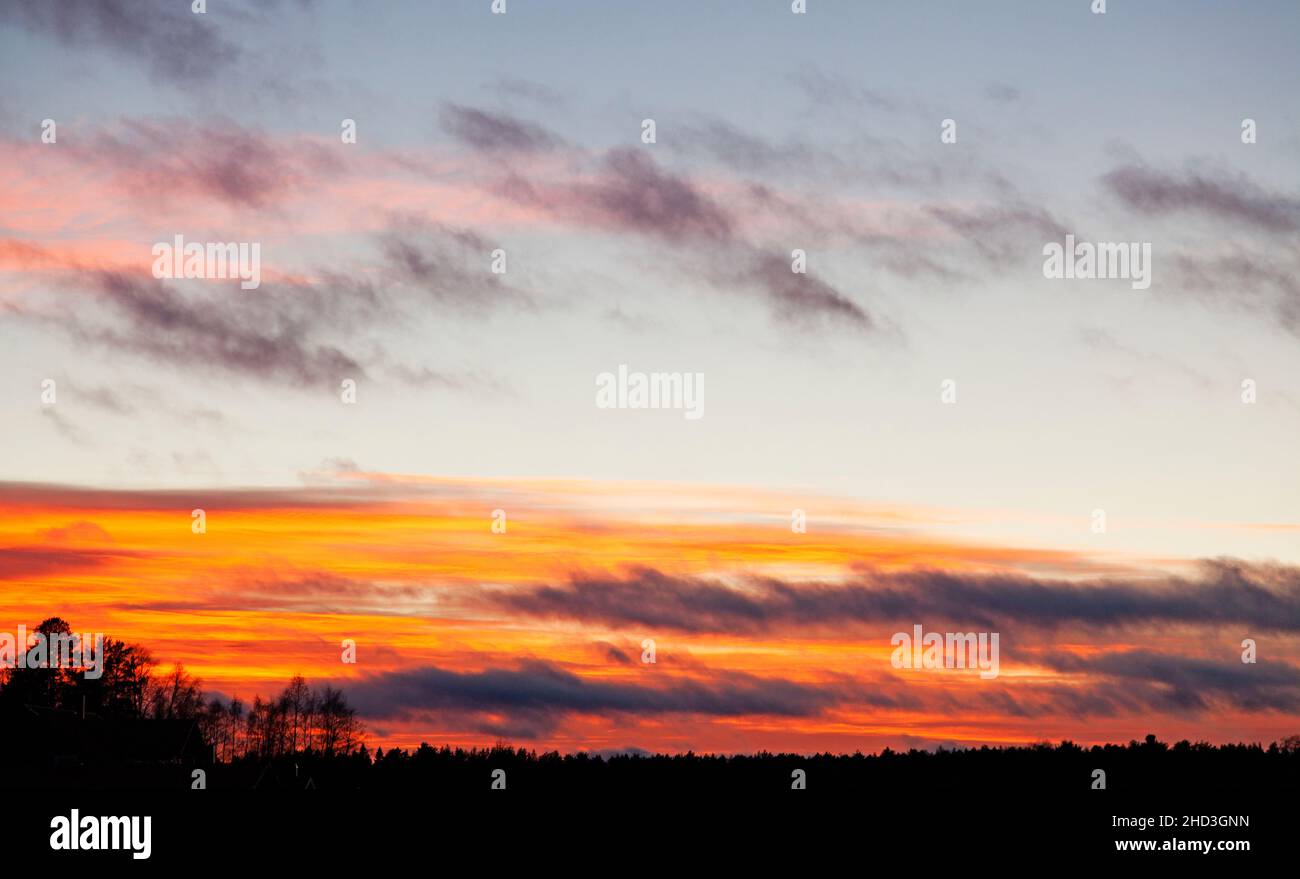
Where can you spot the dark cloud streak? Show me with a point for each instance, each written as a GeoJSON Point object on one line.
{"type": "Point", "coordinates": [174, 43]}
{"type": "Point", "coordinates": [1226, 592]}
{"type": "Point", "coordinates": [1230, 199]}
{"type": "Point", "coordinates": [495, 132]}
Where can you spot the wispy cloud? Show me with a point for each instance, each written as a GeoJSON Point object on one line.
{"type": "Point", "coordinates": [1226, 197]}
{"type": "Point", "coordinates": [269, 339]}
{"type": "Point", "coordinates": [449, 265]}
{"type": "Point", "coordinates": [536, 695]}
{"type": "Point", "coordinates": [1226, 592]}
{"type": "Point", "coordinates": [495, 132]}
{"type": "Point", "coordinates": [171, 41]}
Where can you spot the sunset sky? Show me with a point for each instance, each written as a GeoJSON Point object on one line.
{"type": "Point", "coordinates": [475, 392]}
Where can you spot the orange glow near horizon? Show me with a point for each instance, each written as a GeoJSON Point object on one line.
{"type": "Point", "coordinates": [279, 579]}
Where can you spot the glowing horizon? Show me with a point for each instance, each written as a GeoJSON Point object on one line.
{"type": "Point", "coordinates": [412, 571]}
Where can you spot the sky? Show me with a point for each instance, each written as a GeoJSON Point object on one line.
{"type": "Point", "coordinates": [947, 421]}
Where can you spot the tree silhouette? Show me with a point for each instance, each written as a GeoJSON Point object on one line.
{"type": "Point", "coordinates": [298, 720]}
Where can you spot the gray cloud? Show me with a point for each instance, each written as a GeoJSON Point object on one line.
{"type": "Point", "coordinates": [1228, 198]}
{"type": "Point", "coordinates": [802, 297]}
{"type": "Point", "coordinates": [998, 230]}
{"type": "Point", "coordinates": [285, 331]}
{"type": "Point", "coordinates": [1191, 684]}
{"type": "Point", "coordinates": [495, 132]}
{"type": "Point", "coordinates": [614, 653]}
{"type": "Point", "coordinates": [536, 695]}
{"type": "Point", "coordinates": [634, 194]}
{"type": "Point", "coordinates": [1255, 280]}
{"type": "Point", "coordinates": [1226, 592]}
{"type": "Point", "coordinates": [1241, 266]}
{"type": "Point", "coordinates": [219, 159]}
{"type": "Point", "coordinates": [173, 43]}
{"type": "Point", "coordinates": [1002, 93]}
{"type": "Point", "coordinates": [836, 91]}
{"type": "Point", "coordinates": [64, 425]}
{"type": "Point", "coordinates": [1098, 339]}
{"type": "Point", "coordinates": [263, 336]}
{"type": "Point", "coordinates": [1001, 234]}
{"type": "Point", "coordinates": [102, 397]}
{"type": "Point", "coordinates": [856, 161]}
{"type": "Point", "coordinates": [452, 266]}
{"type": "Point", "coordinates": [739, 149]}
{"type": "Point", "coordinates": [509, 88]}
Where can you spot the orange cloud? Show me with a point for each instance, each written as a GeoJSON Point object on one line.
{"type": "Point", "coordinates": [402, 566]}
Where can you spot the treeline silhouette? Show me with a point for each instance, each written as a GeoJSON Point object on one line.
{"type": "Point", "coordinates": [299, 720]}
{"type": "Point", "coordinates": [137, 728]}
{"type": "Point", "coordinates": [132, 712]}
{"type": "Point", "coordinates": [1150, 765]}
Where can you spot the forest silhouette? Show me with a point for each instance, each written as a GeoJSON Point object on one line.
{"type": "Point", "coordinates": [136, 727]}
